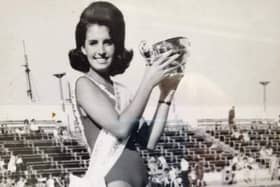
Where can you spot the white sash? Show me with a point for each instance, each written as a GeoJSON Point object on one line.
{"type": "Point", "coordinates": [107, 148]}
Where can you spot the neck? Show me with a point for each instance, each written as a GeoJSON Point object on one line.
{"type": "Point", "coordinates": [102, 78]}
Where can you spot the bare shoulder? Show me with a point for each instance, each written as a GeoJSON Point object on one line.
{"type": "Point", "coordinates": [85, 86]}
{"type": "Point", "coordinates": [83, 82]}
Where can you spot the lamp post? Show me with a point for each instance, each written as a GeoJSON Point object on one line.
{"type": "Point", "coordinates": [27, 72]}
{"type": "Point", "coordinates": [264, 84]}
{"type": "Point", "coordinates": [59, 76]}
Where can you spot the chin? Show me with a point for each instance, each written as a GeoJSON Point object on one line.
{"type": "Point", "coordinates": [102, 69]}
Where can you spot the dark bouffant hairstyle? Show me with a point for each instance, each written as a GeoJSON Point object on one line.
{"type": "Point", "coordinates": [102, 13]}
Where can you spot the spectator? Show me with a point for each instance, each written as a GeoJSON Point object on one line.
{"type": "Point", "coordinates": [236, 134]}
{"type": "Point", "coordinates": [228, 175]}
{"type": "Point", "coordinates": [269, 150]}
{"type": "Point", "coordinates": [12, 163]}
{"type": "Point", "coordinates": [32, 181]}
{"type": "Point", "coordinates": [26, 126]}
{"type": "Point", "coordinates": [274, 164]}
{"type": "Point", "coordinates": [19, 131]}
{"type": "Point", "coordinates": [184, 164]}
{"type": "Point", "coordinates": [2, 165]}
{"type": "Point", "coordinates": [21, 182]}
{"type": "Point", "coordinates": [65, 134]}
{"type": "Point", "coordinates": [6, 130]}
{"type": "Point", "coordinates": [34, 128]}
{"type": "Point", "coordinates": [163, 163]}
{"type": "Point", "coordinates": [247, 169]}
{"type": "Point", "coordinates": [28, 171]}
{"type": "Point", "coordinates": [231, 118]}
{"type": "Point", "coordinates": [199, 173]}
{"type": "Point", "coordinates": [66, 180]}
{"type": "Point", "coordinates": [152, 165]}
{"type": "Point", "coordinates": [245, 137]}
{"type": "Point", "coordinates": [2, 129]}
{"type": "Point", "coordinates": [234, 160]}
{"type": "Point", "coordinates": [262, 152]}
{"type": "Point", "coordinates": [165, 176]}
{"type": "Point", "coordinates": [50, 182]}
{"type": "Point", "coordinates": [173, 177]}
{"type": "Point", "coordinates": [58, 181]}
{"type": "Point", "coordinates": [19, 163]}
{"type": "Point", "coordinates": [192, 176]}
{"type": "Point", "coordinates": [41, 181]}
{"type": "Point", "coordinates": [10, 182]}
{"type": "Point", "coordinates": [55, 134]}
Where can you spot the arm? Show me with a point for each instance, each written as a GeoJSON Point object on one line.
{"type": "Point", "coordinates": [101, 109]}
{"type": "Point", "coordinates": [168, 87]}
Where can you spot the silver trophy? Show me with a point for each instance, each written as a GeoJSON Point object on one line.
{"type": "Point", "coordinates": [178, 45]}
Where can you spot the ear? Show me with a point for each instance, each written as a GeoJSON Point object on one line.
{"type": "Point", "coordinates": [83, 50]}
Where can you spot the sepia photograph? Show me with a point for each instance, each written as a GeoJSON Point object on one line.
{"type": "Point", "coordinates": [127, 93]}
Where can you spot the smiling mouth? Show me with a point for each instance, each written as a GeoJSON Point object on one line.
{"type": "Point", "coordinates": [98, 58]}
{"type": "Point", "coordinates": [101, 60]}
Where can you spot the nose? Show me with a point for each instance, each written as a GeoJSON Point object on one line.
{"type": "Point", "coordinates": [101, 49]}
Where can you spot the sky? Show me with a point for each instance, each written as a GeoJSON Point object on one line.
{"type": "Point", "coordinates": [234, 45]}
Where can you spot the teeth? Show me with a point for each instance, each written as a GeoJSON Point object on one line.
{"type": "Point", "coordinates": [100, 58]}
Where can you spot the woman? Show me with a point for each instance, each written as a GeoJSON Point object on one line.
{"type": "Point", "coordinates": [110, 118]}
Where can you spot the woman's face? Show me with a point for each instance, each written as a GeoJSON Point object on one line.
{"type": "Point", "coordinates": [99, 48]}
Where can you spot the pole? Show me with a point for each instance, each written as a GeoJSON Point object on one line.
{"type": "Point", "coordinates": [264, 84]}
{"type": "Point", "coordinates": [27, 71]}
{"type": "Point", "coordinates": [61, 90]}
{"type": "Point", "coordinates": [264, 98]}
{"type": "Point", "coordinates": [59, 76]}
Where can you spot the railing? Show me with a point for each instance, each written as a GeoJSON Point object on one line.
{"type": "Point", "coordinates": [242, 122]}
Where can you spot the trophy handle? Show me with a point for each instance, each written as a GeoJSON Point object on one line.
{"type": "Point", "coordinates": [145, 51]}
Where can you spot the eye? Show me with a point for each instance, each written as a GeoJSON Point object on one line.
{"type": "Point", "coordinates": [108, 41]}
{"type": "Point", "coordinates": [92, 42]}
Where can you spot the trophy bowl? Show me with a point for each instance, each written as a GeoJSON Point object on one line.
{"type": "Point", "coordinates": [179, 45]}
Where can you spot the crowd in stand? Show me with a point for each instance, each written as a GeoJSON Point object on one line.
{"type": "Point", "coordinates": [241, 168]}
{"type": "Point", "coordinates": [31, 127]}
{"type": "Point", "coordinates": [267, 156]}
{"type": "Point", "coordinates": [35, 181]}
{"type": "Point", "coordinates": [28, 127]}
{"type": "Point", "coordinates": [163, 175]}
{"type": "Point", "coordinates": [14, 172]}
{"type": "Point", "coordinates": [247, 167]}
{"type": "Point", "coordinates": [15, 165]}
{"type": "Point", "coordinates": [246, 164]}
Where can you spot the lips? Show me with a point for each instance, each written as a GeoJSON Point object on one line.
{"type": "Point", "coordinates": [101, 60]}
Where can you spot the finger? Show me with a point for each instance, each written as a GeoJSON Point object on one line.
{"type": "Point", "coordinates": [175, 76]}
{"type": "Point", "coordinates": [174, 72]}
{"type": "Point", "coordinates": [159, 59]}
{"type": "Point", "coordinates": [181, 68]}
{"type": "Point", "coordinates": [171, 69]}
{"type": "Point", "coordinates": [170, 61]}
{"type": "Point", "coordinates": [178, 76]}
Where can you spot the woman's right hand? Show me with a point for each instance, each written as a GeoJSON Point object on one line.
{"type": "Point", "coordinates": [160, 68]}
